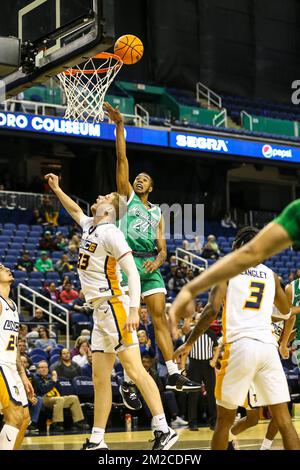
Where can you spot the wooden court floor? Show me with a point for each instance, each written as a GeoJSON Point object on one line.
{"type": "Point", "coordinates": [138, 440]}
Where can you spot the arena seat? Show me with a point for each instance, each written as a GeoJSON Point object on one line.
{"type": "Point", "coordinates": [83, 387]}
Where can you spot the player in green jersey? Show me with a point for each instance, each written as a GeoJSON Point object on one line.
{"type": "Point", "coordinates": [143, 227]}
{"type": "Point", "coordinates": [272, 239]}
{"type": "Point", "coordinates": [293, 290]}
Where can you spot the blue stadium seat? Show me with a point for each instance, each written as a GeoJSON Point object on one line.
{"type": "Point", "coordinates": [83, 386]}
{"type": "Point", "coordinates": [79, 317]}
{"type": "Point", "coordinates": [10, 265]}
{"type": "Point", "coordinates": [52, 276]}
{"type": "Point", "coordinates": [4, 239]}
{"type": "Point", "coordinates": [35, 283]}
{"type": "Point", "coordinates": [291, 265]}
{"type": "Point", "coordinates": [18, 239]}
{"type": "Point", "coordinates": [24, 227]}
{"type": "Point", "coordinates": [9, 226]}
{"type": "Point", "coordinates": [63, 230]}
{"type": "Point", "coordinates": [55, 351]}
{"type": "Point", "coordinates": [16, 246]}
{"type": "Point", "coordinates": [36, 275]}
{"type": "Point", "coordinates": [29, 246]}
{"type": "Point", "coordinates": [7, 232]}
{"type": "Point", "coordinates": [20, 275]}
{"type": "Point", "coordinates": [10, 259]}
{"type": "Point", "coordinates": [36, 228]}
{"type": "Point", "coordinates": [21, 233]}
{"type": "Point", "coordinates": [36, 358]}
{"type": "Point", "coordinates": [3, 246]}
{"type": "Point", "coordinates": [39, 351]}
{"type": "Point", "coordinates": [66, 386]}
{"type": "Point", "coordinates": [54, 358]}
{"type": "Point", "coordinates": [12, 252]}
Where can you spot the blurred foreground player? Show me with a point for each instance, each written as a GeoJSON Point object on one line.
{"type": "Point", "coordinates": [103, 250]}
{"type": "Point", "coordinates": [14, 384]}
{"type": "Point", "coordinates": [250, 354]}
{"type": "Point", "coordinates": [143, 227]}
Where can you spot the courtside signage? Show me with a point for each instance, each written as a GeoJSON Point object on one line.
{"type": "Point", "coordinates": [243, 148]}
{"type": "Point", "coordinates": [59, 126]}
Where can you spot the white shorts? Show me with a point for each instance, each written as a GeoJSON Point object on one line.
{"type": "Point", "coordinates": [11, 387]}
{"type": "Point", "coordinates": [246, 362]}
{"type": "Point", "coordinates": [109, 318]}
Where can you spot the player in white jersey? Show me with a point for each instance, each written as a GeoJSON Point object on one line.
{"type": "Point", "coordinates": [13, 380]}
{"type": "Point", "coordinates": [103, 251]}
{"type": "Point", "coordinates": [250, 348]}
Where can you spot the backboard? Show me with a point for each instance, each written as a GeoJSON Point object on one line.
{"type": "Point", "coordinates": [55, 35]}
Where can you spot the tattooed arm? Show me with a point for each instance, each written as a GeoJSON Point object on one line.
{"type": "Point", "coordinates": [208, 315]}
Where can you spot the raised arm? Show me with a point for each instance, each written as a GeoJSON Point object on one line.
{"type": "Point", "coordinates": [123, 185]}
{"type": "Point", "coordinates": [281, 301]}
{"type": "Point", "coordinates": [71, 207]}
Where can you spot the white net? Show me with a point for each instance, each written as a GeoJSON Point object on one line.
{"type": "Point", "coordinates": [85, 86]}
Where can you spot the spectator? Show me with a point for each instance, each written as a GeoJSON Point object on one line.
{"type": "Point", "coordinates": [44, 263]}
{"type": "Point", "coordinates": [63, 265]}
{"type": "Point", "coordinates": [87, 369]}
{"type": "Point", "coordinates": [60, 241]}
{"type": "Point", "coordinates": [24, 263]}
{"type": "Point", "coordinates": [227, 222]}
{"type": "Point", "coordinates": [65, 367]}
{"type": "Point", "coordinates": [37, 319]}
{"type": "Point", "coordinates": [75, 240]}
{"type": "Point", "coordinates": [297, 274]}
{"type": "Point", "coordinates": [146, 324]}
{"type": "Point", "coordinates": [190, 275]}
{"type": "Point", "coordinates": [73, 254]}
{"type": "Point", "coordinates": [66, 280]}
{"type": "Point", "coordinates": [73, 230]}
{"type": "Point", "coordinates": [22, 347]}
{"type": "Point", "coordinates": [47, 242]}
{"type": "Point", "coordinates": [77, 344]}
{"type": "Point", "coordinates": [176, 282]}
{"type": "Point", "coordinates": [49, 388]}
{"type": "Point", "coordinates": [81, 358]}
{"type": "Point", "coordinates": [211, 249]}
{"type": "Point", "coordinates": [51, 292]}
{"type": "Point", "coordinates": [68, 295]}
{"type": "Point", "coordinates": [35, 405]}
{"type": "Point", "coordinates": [44, 341]}
{"type": "Point", "coordinates": [79, 305]}
{"type": "Point", "coordinates": [186, 245]}
{"type": "Point", "coordinates": [145, 343]}
{"type": "Point", "coordinates": [37, 218]}
{"type": "Point", "coordinates": [47, 210]}
{"type": "Point", "coordinates": [196, 245]}
{"type": "Point", "coordinates": [23, 331]}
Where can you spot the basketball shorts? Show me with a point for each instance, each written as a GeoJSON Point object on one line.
{"type": "Point", "coordinates": [108, 333]}
{"type": "Point", "coordinates": [11, 387]}
{"type": "Point", "coordinates": [151, 283]}
{"type": "Point", "coordinates": [248, 362]}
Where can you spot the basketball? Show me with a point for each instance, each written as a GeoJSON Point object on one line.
{"type": "Point", "coordinates": [129, 48]}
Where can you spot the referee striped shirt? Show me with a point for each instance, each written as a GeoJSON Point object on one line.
{"type": "Point", "coordinates": [203, 347]}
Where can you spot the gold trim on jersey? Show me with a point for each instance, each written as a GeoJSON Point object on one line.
{"type": "Point", "coordinates": [120, 317]}
{"type": "Point", "coordinates": [222, 372]}
{"type": "Point", "coordinates": [224, 321]}
{"type": "Point", "coordinates": [111, 275]}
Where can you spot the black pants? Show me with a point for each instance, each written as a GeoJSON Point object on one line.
{"type": "Point", "coordinates": [201, 371]}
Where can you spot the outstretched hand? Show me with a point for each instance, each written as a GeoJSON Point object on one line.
{"type": "Point", "coordinates": [113, 113]}
{"type": "Point", "coordinates": [53, 181]}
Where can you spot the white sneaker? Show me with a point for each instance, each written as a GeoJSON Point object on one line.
{"type": "Point", "coordinates": [178, 421]}
{"type": "Point", "coordinates": [92, 446]}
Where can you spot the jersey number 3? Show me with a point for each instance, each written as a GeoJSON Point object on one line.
{"type": "Point", "coordinates": [256, 295]}
{"type": "Point", "coordinates": [83, 261]}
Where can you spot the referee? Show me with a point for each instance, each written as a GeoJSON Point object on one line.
{"type": "Point", "coordinates": [201, 370]}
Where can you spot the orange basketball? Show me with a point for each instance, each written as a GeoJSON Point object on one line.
{"type": "Point", "coordinates": [129, 48]}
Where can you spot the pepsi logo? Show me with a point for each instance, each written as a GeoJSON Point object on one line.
{"type": "Point", "coordinates": [267, 151]}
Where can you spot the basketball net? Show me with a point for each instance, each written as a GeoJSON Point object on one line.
{"type": "Point", "coordinates": [85, 86]}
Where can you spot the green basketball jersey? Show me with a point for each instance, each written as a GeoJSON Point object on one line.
{"type": "Point", "coordinates": [140, 225]}
{"type": "Point", "coordinates": [296, 303]}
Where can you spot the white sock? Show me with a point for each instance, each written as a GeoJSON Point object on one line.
{"type": "Point", "coordinates": [97, 435]}
{"type": "Point", "coordinates": [159, 423]}
{"type": "Point", "coordinates": [172, 367]}
{"type": "Point", "coordinates": [266, 444]}
{"type": "Point", "coordinates": [8, 437]}
{"type": "Point", "coordinates": [127, 378]}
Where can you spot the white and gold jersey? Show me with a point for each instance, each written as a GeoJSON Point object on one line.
{"type": "Point", "coordinates": [100, 248]}
{"type": "Point", "coordinates": [248, 306]}
{"type": "Point", "coordinates": [9, 331]}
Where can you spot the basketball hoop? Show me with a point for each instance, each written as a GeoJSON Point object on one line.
{"type": "Point", "coordinates": [85, 86]}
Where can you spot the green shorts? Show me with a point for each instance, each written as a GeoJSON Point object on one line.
{"type": "Point", "coordinates": [151, 283]}
{"type": "Point", "coordinates": [289, 219]}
